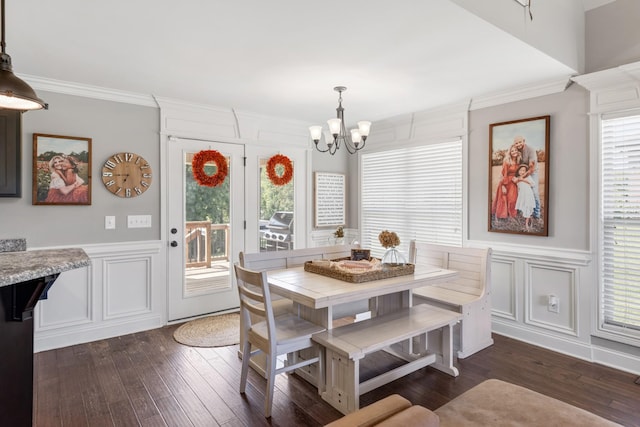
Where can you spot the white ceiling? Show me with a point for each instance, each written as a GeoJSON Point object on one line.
{"type": "Point", "coordinates": [276, 57]}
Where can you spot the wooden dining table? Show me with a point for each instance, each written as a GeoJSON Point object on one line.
{"type": "Point", "coordinates": [315, 295]}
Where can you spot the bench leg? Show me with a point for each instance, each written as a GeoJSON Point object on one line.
{"type": "Point", "coordinates": [444, 352]}
{"type": "Point", "coordinates": [342, 382]}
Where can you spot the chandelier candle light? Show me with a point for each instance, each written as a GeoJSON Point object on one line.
{"type": "Point", "coordinates": [353, 141]}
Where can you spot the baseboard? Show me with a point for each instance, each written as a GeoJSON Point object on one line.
{"type": "Point", "coordinates": [562, 345]}
{"type": "Point", "coordinates": [49, 340]}
{"type": "Point", "coordinates": [581, 350]}
{"type": "Point", "coordinates": [616, 359]}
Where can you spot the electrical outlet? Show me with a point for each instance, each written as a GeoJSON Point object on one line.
{"type": "Point", "coordinates": [553, 304]}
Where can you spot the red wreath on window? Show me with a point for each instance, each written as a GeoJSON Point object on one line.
{"type": "Point", "coordinates": [287, 166]}
{"type": "Point", "coordinates": [203, 157]}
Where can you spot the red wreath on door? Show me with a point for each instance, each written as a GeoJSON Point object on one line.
{"type": "Point", "coordinates": [287, 167]}
{"type": "Point", "coordinates": [203, 157]}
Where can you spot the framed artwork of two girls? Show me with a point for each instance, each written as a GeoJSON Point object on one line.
{"type": "Point", "coordinates": [519, 176]}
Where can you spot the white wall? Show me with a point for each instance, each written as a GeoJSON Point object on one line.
{"type": "Point", "coordinates": [557, 27]}
{"type": "Point", "coordinates": [612, 34]}
{"type": "Point", "coordinates": [568, 171]}
{"type": "Point", "coordinates": [113, 127]}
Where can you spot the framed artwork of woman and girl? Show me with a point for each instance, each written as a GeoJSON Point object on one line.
{"type": "Point", "coordinates": [61, 170]}
{"type": "Point", "coordinates": [518, 176]}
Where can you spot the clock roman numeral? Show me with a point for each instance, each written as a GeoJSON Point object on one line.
{"type": "Point", "coordinates": [117, 158]}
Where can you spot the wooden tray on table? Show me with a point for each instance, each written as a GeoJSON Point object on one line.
{"type": "Point", "coordinates": [385, 272]}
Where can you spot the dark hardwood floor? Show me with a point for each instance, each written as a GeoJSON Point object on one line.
{"type": "Point", "coordinates": [148, 379]}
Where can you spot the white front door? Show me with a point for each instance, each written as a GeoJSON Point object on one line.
{"type": "Point", "coordinates": [206, 230]}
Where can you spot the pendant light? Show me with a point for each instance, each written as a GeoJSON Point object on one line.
{"type": "Point", "coordinates": [15, 94]}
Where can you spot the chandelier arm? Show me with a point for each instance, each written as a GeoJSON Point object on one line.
{"type": "Point", "coordinates": [350, 147]}
{"type": "Point", "coordinates": [322, 151]}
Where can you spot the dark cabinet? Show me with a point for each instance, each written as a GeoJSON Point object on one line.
{"type": "Point", "coordinates": [10, 153]}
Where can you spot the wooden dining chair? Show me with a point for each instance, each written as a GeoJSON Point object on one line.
{"type": "Point", "coordinates": [272, 335]}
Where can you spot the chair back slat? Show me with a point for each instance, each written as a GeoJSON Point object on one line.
{"type": "Point", "coordinates": [255, 298]}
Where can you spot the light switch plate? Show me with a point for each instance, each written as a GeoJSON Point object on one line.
{"type": "Point", "coordinates": [109, 222]}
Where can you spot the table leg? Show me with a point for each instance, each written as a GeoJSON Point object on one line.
{"type": "Point", "coordinates": [320, 316]}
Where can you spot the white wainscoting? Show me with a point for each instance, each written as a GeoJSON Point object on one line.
{"type": "Point", "coordinates": [504, 295]}
{"type": "Point", "coordinates": [543, 279]}
{"type": "Point", "coordinates": [123, 291]}
{"type": "Point", "coordinates": [522, 279]}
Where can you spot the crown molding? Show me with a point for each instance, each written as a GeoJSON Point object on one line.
{"type": "Point", "coordinates": [617, 76]}
{"type": "Point", "coordinates": [88, 91]}
{"type": "Point", "coordinates": [521, 93]}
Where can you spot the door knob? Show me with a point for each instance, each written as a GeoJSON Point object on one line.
{"type": "Point", "coordinates": [174, 243]}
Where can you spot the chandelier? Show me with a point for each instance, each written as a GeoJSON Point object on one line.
{"type": "Point", "coordinates": [353, 140]}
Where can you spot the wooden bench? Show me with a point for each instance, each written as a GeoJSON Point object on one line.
{"type": "Point", "coordinates": [406, 330]}
{"type": "Point", "coordinates": [468, 294]}
{"type": "Point", "coordinates": [275, 260]}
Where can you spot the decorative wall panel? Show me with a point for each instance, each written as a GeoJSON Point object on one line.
{"type": "Point", "coordinates": [69, 302]}
{"type": "Point", "coordinates": [127, 287]}
{"type": "Point", "coordinates": [504, 294]}
{"type": "Point", "coordinates": [543, 281]}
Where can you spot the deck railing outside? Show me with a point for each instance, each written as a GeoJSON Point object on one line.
{"type": "Point", "coordinates": [205, 242]}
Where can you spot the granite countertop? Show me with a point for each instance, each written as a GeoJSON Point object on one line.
{"type": "Point", "coordinates": [21, 266]}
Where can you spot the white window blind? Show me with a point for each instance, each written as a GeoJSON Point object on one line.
{"type": "Point", "coordinates": [620, 216]}
{"type": "Point", "coordinates": [414, 191]}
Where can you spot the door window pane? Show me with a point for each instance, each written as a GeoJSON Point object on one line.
{"type": "Point", "coordinates": [207, 232]}
{"type": "Point", "coordinates": [276, 212]}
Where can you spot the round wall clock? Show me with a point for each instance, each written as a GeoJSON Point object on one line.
{"type": "Point", "coordinates": [126, 174]}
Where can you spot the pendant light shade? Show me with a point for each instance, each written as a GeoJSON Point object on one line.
{"type": "Point", "coordinates": [15, 94]}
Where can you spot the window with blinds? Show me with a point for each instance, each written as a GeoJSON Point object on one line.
{"type": "Point", "coordinates": [620, 226]}
{"type": "Point", "coordinates": [414, 191]}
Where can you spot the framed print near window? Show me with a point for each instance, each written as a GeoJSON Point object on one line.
{"type": "Point", "coordinates": [329, 199]}
{"type": "Point", "coordinates": [61, 170]}
{"type": "Point", "coordinates": [519, 176]}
